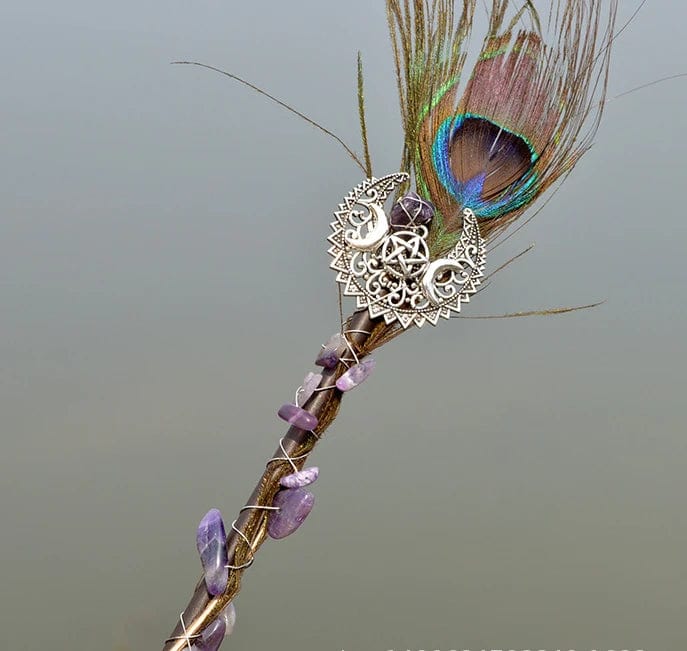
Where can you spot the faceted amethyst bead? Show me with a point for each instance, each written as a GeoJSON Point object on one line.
{"type": "Point", "coordinates": [356, 375]}
{"type": "Point", "coordinates": [411, 210]}
{"type": "Point", "coordinates": [212, 636]}
{"type": "Point", "coordinates": [332, 351]}
{"type": "Point", "coordinates": [310, 383]}
{"type": "Point", "coordinates": [301, 478]}
{"type": "Point", "coordinates": [211, 541]}
{"type": "Point", "coordinates": [294, 505]}
{"type": "Point", "coordinates": [297, 417]}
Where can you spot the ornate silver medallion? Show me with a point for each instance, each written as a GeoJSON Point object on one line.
{"type": "Point", "coordinates": [385, 263]}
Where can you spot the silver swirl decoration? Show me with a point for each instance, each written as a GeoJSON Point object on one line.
{"type": "Point", "coordinates": [389, 269]}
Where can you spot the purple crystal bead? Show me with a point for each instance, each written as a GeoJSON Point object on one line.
{"type": "Point", "coordinates": [301, 478]}
{"type": "Point", "coordinates": [356, 375]}
{"type": "Point", "coordinates": [411, 210]}
{"type": "Point", "coordinates": [332, 351]}
{"type": "Point", "coordinates": [211, 541]}
{"type": "Point", "coordinates": [212, 636]}
{"type": "Point", "coordinates": [294, 506]}
{"type": "Point", "coordinates": [297, 417]}
{"type": "Point", "coordinates": [310, 383]}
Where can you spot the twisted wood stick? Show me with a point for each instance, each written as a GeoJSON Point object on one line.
{"type": "Point", "coordinates": [364, 335]}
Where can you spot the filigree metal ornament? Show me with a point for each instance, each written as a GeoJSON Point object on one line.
{"type": "Point", "coordinates": [387, 266]}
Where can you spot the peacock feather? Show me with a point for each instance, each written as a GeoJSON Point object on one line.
{"type": "Point", "coordinates": [495, 141]}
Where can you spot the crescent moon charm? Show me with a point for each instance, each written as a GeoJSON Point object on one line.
{"type": "Point", "coordinates": [384, 261]}
{"type": "Point", "coordinates": [375, 234]}
{"type": "Point", "coordinates": [437, 269]}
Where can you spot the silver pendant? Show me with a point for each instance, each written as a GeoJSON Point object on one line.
{"type": "Point", "coordinates": [388, 268]}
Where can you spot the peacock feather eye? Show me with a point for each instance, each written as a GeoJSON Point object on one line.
{"type": "Point", "coordinates": [483, 165]}
{"type": "Point", "coordinates": [494, 139]}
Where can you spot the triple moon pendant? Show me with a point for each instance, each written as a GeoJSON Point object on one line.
{"type": "Point", "coordinates": [384, 260]}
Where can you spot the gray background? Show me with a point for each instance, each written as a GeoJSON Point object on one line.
{"type": "Point", "coordinates": [164, 287]}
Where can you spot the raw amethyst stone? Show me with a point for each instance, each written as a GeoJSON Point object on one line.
{"type": "Point", "coordinates": [228, 615]}
{"type": "Point", "coordinates": [411, 210]}
{"type": "Point", "coordinates": [294, 505]}
{"type": "Point", "coordinates": [356, 375]}
{"type": "Point", "coordinates": [297, 417]}
{"type": "Point", "coordinates": [310, 383]}
{"type": "Point", "coordinates": [212, 636]}
{"type": "Point", "coordinates": [332, 351]}
{"type": "Point", "coordinates": [211, 541]}
{"type": "Point", "coordinates": [301, 478]}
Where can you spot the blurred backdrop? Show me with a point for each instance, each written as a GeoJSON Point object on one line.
{"type": "Point", "coordinates": [514, 483]}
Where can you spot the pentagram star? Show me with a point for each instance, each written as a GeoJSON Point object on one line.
{"type": "Point", "coordinates": [404, 252]}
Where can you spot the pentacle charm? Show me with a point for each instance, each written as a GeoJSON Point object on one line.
{"type": "Point", "coordinates": [385, 262]}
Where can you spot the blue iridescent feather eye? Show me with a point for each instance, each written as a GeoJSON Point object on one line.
{"type": "Point", "coordinates": [494, 138]}
{"type": "Point", "coordinates": [484, 166]}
